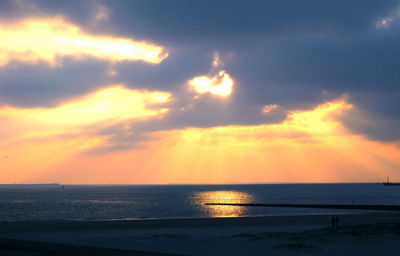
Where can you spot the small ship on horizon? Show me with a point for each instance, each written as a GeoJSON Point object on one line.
{"type": "Point", "coordinates": [388, 183]}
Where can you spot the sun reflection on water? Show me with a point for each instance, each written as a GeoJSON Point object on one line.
{"type": "Point", "coordinates": [201, 198]}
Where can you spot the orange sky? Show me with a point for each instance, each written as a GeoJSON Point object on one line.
{"type": "Point", "coordinates": [66, 143]}
{"type": "Point", "coordinates": [309, 146]}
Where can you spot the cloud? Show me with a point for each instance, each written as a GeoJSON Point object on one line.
{"type": "Point", "coordinates": [35, 138]}
{"type": "Point", "coordinates": [309, 146]}
{"type": "Point", "coordinates": [41, 85]}
{"type": "Point", "coordinates": [269, 108]}
{"type": "Point", "coordinates": [245, 21]}
{"type": "Point", "coordinates": [282, 66]}
{"type": "Point", "coordinates": [46, 39]}
{"type": "Point", "coordinates": [284, 53]}
{"type": "Point", "coordinates": [217, 62]}
{"type": "Point", "coordinates": [322, 119]}
{"type": "Point", "coordinates": [389, 20]}
{"type": "Point", "coordinates": [218, 82]}
{"type": "Point", "coordinates": [280, 152]}
{"type": "Point", "coordinates": [102, 13]}
{"type": "Point", "coordinates": [219, 85]}
{"type": "Point", "coordinates": [372, 125]}
{"type": "Point", "coordinates": [110, 105]}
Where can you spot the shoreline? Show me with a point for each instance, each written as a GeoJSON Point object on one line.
{"type": "Point", "coordinates": [242, 221]}
{"type": "Point", "coordinates": [360, 212]}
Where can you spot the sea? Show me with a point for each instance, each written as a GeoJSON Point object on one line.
{"type": "Point", "coordinates": [50, 202]}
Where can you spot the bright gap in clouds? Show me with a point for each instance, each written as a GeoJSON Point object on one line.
{"type": "Point", "coordinates": [45, 39]}
{"type": "Point", "coordinates": [220, 84]}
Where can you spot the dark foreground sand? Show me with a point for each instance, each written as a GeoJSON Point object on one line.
{"type": "Point", "coordinates": [361, 234]}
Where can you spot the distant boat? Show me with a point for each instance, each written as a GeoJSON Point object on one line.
{"type": "Point", "coordinates": [387, 183]}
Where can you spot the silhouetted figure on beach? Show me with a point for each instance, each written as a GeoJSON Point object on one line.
{"type": "Point", "coordinates": [333, 222]}
{"type": "Point", "coordinates": [337, 221]}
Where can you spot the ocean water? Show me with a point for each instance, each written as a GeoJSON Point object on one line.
{"type": "Point", "coordinates": [76, 202]}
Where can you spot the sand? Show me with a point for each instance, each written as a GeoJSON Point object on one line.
{"type": "Point", "coordinates": [361, 234]}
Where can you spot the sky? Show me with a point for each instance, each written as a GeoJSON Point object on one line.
{"type": "Point", "coordinates": [199, 92]}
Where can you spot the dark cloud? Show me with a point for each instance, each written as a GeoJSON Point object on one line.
{"type": "Point", "coordinates": [233, 19]}
{"type": "Point", "coordinates": [203, 112]}
{"type": "Point", "coordinates": [80, 11]}
{"type": "Point", "coordinates": [171, 74]}
{"type": "Point", "coordinates": [44, 86]}
{"type": "Point", "coordinates": [293, 53]}
{"type": "Point", "coordinates": [372, 125]}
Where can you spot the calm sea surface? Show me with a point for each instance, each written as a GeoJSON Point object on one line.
{"type": "Point", "coordinates": [51, 202]}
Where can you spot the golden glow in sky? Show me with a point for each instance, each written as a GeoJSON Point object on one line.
{"type": "Point", "coordinates": [309, 146]}
{"type": "Point", "coordinates": [46, 39]}
{"type": "Point", "coordinates": [114, 103]}
{"type": "Point", "coordinates": [194, 130]}
{"type": "Point", "coordinates": [80, 117]}
{"type": "Point", "coordinates": [321, 119]}
{"type": "Point", "coordinates": [36, 138]}
{"type": "Point", "coordinates": [221, 84]}
{"type": "Point", "coordinates": [58, 144]}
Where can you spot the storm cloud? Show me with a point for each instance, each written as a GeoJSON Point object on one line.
{"type": "Point", "coordinates": [295, 54]}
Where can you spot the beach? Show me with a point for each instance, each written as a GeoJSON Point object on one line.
{"type": "Point", "coordinates": [364, 234]}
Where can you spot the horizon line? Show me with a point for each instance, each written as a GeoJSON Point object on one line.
{"type": "Point", "coordinates": [184, 184]}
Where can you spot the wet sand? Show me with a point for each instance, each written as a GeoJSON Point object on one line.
{"type": "Point", "coordinates": [367, 234]}
{"type": "Point", "coordinates": [13, 247]}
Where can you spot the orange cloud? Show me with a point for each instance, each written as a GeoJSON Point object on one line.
{"type": "Point", "coordinates": [36, 138]}
{"type": "Point", "coordinates": [46, 39]}
{"type": "Point", "coordinates": [113, 104]}
{"type": "Point", "coordinates": [309, 146]}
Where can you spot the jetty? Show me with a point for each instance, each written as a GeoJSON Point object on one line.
{"type": "Point", "coordinates": [321, 206]}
